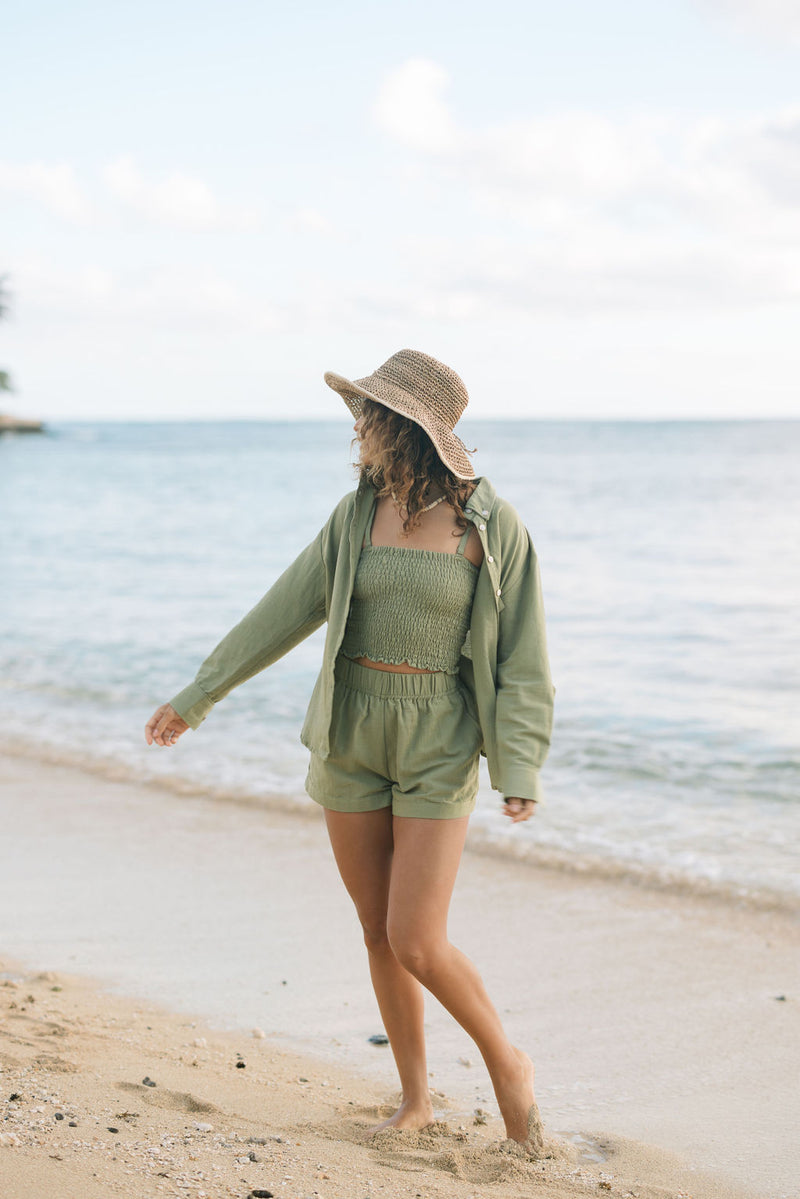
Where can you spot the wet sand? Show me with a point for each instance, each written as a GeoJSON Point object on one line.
{"type": "Point", "coordinates": [654, 1019]}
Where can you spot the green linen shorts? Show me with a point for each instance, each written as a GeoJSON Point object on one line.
{"type": "Point", "coordinates": [402, 741]}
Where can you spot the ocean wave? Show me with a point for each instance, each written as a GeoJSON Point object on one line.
{"type": "Point", "coordinates": [484, 838]}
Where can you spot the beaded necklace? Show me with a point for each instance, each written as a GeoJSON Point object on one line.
{"type": "Point", "coordinates": [427, 507]}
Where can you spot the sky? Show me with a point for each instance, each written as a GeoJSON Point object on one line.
{"type": "Point", "coordinates": [587, 210]}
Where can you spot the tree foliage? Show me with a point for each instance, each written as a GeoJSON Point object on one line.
{"type": "Point", "coordinates": [5, 381]}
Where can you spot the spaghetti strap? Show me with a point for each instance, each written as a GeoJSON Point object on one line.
{"type": "Point", "coordinates": [462, 545]}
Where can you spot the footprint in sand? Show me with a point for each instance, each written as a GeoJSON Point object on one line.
{"type": "Point", "coordinates": [442, 1147]}
{"type": "Point", "coordinates": [35, 1026]}
{"type": "Point", "coordinates": [55, 1064]}
{"type": "Point", "coordinates": [434, 1136]}
{"type": "Point", "coordinates": [176, 1101]}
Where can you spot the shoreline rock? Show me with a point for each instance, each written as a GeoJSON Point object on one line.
{"type": "Point", "coordinates": [17, 424]}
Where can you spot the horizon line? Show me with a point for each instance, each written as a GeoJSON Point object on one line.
{"type": "Point", "coordinates": [278, 420]}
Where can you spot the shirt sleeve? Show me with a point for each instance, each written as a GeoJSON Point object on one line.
{"type": "Point", "coordinates": [290, 611]}
{"type": "Point", "coordinates": [525, 691]}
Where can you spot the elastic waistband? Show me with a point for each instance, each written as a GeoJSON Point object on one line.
{"type": "Point", "coordinates": [390, 684]}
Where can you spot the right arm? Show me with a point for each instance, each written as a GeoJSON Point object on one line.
{"type": "Point", "coordinates": [290, 611]}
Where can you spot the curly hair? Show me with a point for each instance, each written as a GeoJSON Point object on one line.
{"type": "Point", "coordinates": [405, 465]}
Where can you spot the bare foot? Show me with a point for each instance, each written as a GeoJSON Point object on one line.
{"type": "Point", "coordinates": [409, 1116]}
{"type": "Point", "coordinates": [518, 1108]}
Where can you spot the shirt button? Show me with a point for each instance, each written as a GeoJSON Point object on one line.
{"type": "Point", "coordinates": [481, 527]}
{"type": "Point", "coordinates": [490, 559]}
{"type": "Point", "coordinates": [485, 512]}
{"type": "Point", "coordinates": [498, 591]}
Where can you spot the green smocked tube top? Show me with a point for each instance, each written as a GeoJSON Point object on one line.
{"type": "Point", "coordinates": [410, 605]}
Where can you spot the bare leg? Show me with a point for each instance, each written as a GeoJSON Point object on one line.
{"type": "Point", "coordinates": [426, 859]}
{"type": "Point", "coordinates": [363, 847]}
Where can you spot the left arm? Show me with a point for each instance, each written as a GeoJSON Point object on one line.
{"type": "Point", "coordinates": [524, 688]}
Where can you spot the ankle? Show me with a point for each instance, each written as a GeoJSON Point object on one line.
{"type": "Point", "coordinates": [507, 1061]}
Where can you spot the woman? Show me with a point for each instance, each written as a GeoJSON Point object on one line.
{"type": "Point", "coordinates": [435, 652]}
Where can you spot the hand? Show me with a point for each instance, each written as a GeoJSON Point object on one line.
{"type": "Point", "coordinates": [165, 726]}
{"type": "Point", "coordinates": [519, 809]}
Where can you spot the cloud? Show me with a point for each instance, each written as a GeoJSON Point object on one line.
{"type": "Point", "coordinates": [653, 168]}
{"type": "Point", "coordinates": [410, 106]}
{"type": "Point", "coordinates": [311, 220]}
{"type": "Point", "coordinates": [586, 210]}
{"type": "Point", "coordinates": [54, 186]}
{"type": "Point", "coordinates": [763, 154]}
{"type": "Point", "coordinates": [778, 18]}
{"type": "Point", "coordinates": [178, 201]}
{"type": "Point", "coordinates": [599, 273]}
{"type": "Point", "coordinates": [169, 300]}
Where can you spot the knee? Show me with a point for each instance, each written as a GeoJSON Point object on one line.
{"type": "Point", "coordinates": [417, 954]}
{"type": "Point", "coordinates": [375, 936]}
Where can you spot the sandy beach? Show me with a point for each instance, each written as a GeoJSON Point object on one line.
{"type": "Point", "coordinates": [146, 935]}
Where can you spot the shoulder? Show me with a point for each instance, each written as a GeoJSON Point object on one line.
{"type": "Point", "coordinates": [503, 516]}
{"type": "Point", "coordinates": [347, 511]}
{"type": "Point", "coordinates": [509, 520]}
{"type": "Point", "coordinates": [510, 541]}
{"type": "Point", "coordinates": [346, 505]}
{"type": "Point", "coordinates": [344, 509]}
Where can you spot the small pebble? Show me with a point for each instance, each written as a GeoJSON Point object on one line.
{"type": "Point", "coordinates": [147, 1080]}
{"type": "Point", "coordinates": [73, 1123]}
{"type": "Point", "coordinates": [240, 1065]}
{"type": "Point", "coordinates": [260, 1194]}
{"type": "Point", "coordinates": [259, 1034]}
{"type": "Point", "coordinates": [202, 1127]}
{"type": "Point", "coordinates": [200, 1042]}
{"type": "Point", "coordinates": [110, 1129]}
{"type": "Point", "coordinates": [465, 1061]}
{"type": "Point", "coordinates": [378, 1038]}
{"type": "Point", "coordinates": [253, 1157]}
{"type": "Point", "coordinates": [59, 1115]}
{"type": "Point", "coordinates": [13, 1098]}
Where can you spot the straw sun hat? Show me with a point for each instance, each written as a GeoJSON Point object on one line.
{"type": "Point", "coordinates": [424, 390]}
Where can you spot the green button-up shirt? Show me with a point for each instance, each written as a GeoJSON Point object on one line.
{"type": "Point", "coordinates": [504, 661]}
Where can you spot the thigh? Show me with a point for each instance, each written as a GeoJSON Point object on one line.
{"type": "Point", "coordinates": [427, 854]}
{"type": "Point", "coordinates": [362, 844]}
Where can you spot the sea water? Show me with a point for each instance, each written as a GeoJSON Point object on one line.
{"type": "Point", "coordinates": [671, 574]}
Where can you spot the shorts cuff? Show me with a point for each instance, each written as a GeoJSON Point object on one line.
{"type": "Point", "coordinates": [430, 809]}
{"type": "Point", "coordinates": [369, 803]}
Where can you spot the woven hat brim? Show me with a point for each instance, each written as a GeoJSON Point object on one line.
{"type": "Point", "coordinates": [448, 446]}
